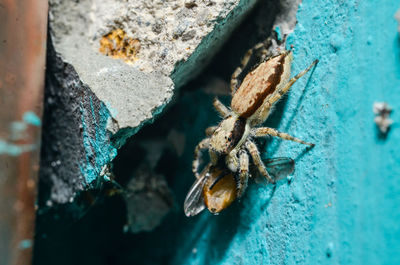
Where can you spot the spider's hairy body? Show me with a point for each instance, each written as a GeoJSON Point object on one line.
{"type": "Point", "coordinates": [250, 98]}
{"type": "Point", "coordinates": [230, 134]}
{"type": "Point", "coordinates": [231, 140]}
{"type": "Point", "coordinates": [249, 107]}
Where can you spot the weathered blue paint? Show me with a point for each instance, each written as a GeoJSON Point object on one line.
{"type": "Point", "coordinates": [342, 205]}
{"type": "Point", "coordinates": [113, 111]}
{"type": "Point", "coordinates": [278, 33]}
{"type": "Point", "coordinates": [18, 131]}
{"type": "Point", "coordinates": [8, 148]}
{"type": "Point", "coordinates": [98, 151]}
{"type": "Point", "coordinates": [31, 118]}
{"type": "Point", "coordinates": [25, 244]}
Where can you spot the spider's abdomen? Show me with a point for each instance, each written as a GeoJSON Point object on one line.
{"type": "Point", "coordinates": [259, 84]}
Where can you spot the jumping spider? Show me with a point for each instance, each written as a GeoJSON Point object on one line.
{"type": "Point", "coordinates": [231, 140]}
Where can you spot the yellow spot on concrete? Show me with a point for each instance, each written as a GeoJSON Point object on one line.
{"type": "Point", "coordinates": [119, 46]}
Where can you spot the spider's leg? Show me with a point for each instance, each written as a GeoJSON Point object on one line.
{"type": "Point", "coordinates": [274, 97]}
{"type": "Point", "coordinates": [243, 64]}
{"type": "Point", "coordinates": [210, 130]}
{"type": "Point", "coordinates": [243, 173]}
{"type": "Point", "coordinates": [214, 156]}
{"type": "Point", "coordinates": [264, 131]}
{"type": "Point", "coordinates": [232, 161]}
{"type": "Point", "coordinates": [255, 155]}
{"type": "Point", "coordinates": [222, 110]}
{"type": "Point", "coordinates": [204, 144]}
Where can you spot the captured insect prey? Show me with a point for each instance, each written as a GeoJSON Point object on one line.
{"type": "Point", "coordinates": [232, 140]}
{"type": "Point", "coordinates": [216, 187]}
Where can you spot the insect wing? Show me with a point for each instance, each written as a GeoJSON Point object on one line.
{"type": "Point", "coordinates": [194, 201]}
{"type": "Point", "coordinates": [279, 167]}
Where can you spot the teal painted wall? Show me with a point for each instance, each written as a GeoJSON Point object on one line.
{"type": "Point", "coordinates": [342, 205]}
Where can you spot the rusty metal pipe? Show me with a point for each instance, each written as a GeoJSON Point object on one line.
{"type": "Point", "coordinates": [23, 29]}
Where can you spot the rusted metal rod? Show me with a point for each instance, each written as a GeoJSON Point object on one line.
{"type": "Point", "coordinates": [23, 30]}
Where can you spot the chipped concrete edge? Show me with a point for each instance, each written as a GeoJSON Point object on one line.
{"type": "Point", "coordinates": [186, 70]}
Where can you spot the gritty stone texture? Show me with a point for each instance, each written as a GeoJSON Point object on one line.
{"type": "Point", "coordinates": [146, 193]}
{"type": "Point", "coordinates": [148, 200]}
{"type": "Point", "coordinates": [169, 31]}
{"type": "Point", "coordinates": [286, 18]}
{"type": "Point", "coordinates": [75, 139]}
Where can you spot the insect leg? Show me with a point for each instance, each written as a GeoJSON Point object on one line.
{"type": "Point", "coordinates": [282, 91]}
{"type": "Point", "coordinates": [210, 130]}
{"type": "Point", "coordinates": [264, 131]}
{"type": "Point", "coordinates": [232, 161]}
{"type": "Point", "coordinates": [243, 173]}
{"type": "Point", "coordinates": [204, 144]}
{"type": "Point", "coordinates": [243, 64]}
{"type": "Point", "coordinates": [224, 111]}
{"type": "Point", "coordinates": [255, 155]}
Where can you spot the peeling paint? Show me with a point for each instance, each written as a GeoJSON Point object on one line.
{"type": "Point", "coordinates": [113, 111]}
{"type": "Point", "coordinates": [278, 33]}
{"type": "Point", "coordinates": [17, 132]}
{"type": "Point", "coordinates": [31, 118]}
{"type": "Point", "coordinates": [98, 151]}
{"type": "Point", "coordinates": [11, 149]}
{"type": "Point", "coordinates": [24, 244]}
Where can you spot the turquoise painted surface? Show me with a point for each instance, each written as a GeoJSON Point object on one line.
{"type": "Point", "coordinates": [25, 244]}
{"type": "Point", "coordinates": [18, 131]}
{"type": "Point", "coordinates": [98, 149]}
{"type": "Point", "coordinates": [31, 118]}
{"type": "Point", "coordinates": [7, 148]}
{"type": "Point", "coordinates": [342, 204]}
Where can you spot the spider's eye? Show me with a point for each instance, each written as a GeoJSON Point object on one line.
{"type": "Point", "coordinates": [229, 139]}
